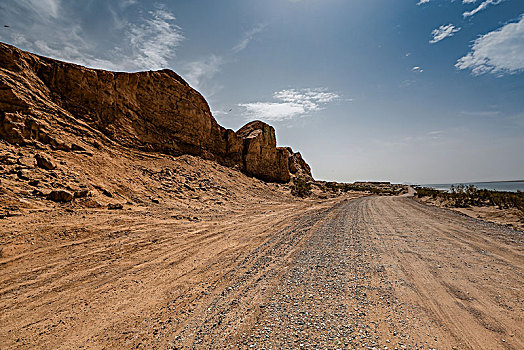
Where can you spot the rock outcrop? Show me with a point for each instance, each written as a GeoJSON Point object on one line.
{"type": "Point", "coordinates": [261, 156]}
{"type": "Point", "coordinates": [66, 105]}
{"type": "Point", "coordinates": [297, 164]}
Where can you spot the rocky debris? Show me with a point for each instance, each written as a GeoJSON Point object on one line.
{"type": "Point", "coordinates": [49, 102]}
{"type": "Point", "coordinates": [103, 191]}
{"type": "Point", "coordinates": [28, 162]}
{"type": "Point", "coordinates": [44, 161]}
{"type": "Point", "coordinates": [21, 128]}
{"type": "Point", "coordinates": [60, 196]}
{"type": "Point", "coordinates": [91, 203]}
{"type": "Point", "coordinates": [5, 213]}
{"type": "Point", "coordinates": [76, 147]}
{"type": "Point", "coordinates": [23, 174]}
{"type": "Point", "coordinates": [7, 159]}
{"type": "Point", "coordinates": [297, 164]}
{"type": "Point", "coordinates": [115, 206]}
{"type": "Point", "coordinates": [81, 193]}
{"type": "Point", "coordinates": [39, 193]}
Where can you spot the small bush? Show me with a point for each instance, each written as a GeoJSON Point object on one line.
{"type": "Point", "coordinates": [301, 187]}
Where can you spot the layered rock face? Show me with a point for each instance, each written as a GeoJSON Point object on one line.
{"type": "Point", "coordinates": [65, 105]}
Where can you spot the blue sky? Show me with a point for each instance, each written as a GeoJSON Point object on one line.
{"type": "Point", "coordinates": [407, 91]}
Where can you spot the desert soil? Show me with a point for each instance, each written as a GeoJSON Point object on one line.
{"type": "Point", "coordinates": [359, 273]}
{"type": "Point", "coordinates": [511, 217]}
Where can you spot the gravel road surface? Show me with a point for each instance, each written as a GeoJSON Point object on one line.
{"type": "Point", "coordinates": [365, 273]}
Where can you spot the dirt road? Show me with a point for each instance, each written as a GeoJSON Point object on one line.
{"type": "Point", "coordinates": [372, 272]}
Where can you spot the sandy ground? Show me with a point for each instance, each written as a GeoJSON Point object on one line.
{"type": "Point", "coordinates": [370, 272]}
{"type": "Point", "coordinates": [510, 217]}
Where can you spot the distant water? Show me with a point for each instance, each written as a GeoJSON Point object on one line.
{"type": "Point", "coordinates": [507, 186]}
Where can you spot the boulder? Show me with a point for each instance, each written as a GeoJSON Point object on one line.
{"type": "Point", "coordinates": [60, 196]}
{"type": "Point", "coordinates": [44, 161]}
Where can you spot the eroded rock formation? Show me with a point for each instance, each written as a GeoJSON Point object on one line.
{"type": "Point", "coordinates": [66, 106]}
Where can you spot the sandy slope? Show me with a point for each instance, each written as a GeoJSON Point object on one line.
{"type": "Point", "coordinates": [340, 273]}
{"type": "Point", "coordinates": [511, 217]}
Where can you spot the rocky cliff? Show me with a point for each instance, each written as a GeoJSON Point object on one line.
{"type": "Point", "coordinates": [66, 106]}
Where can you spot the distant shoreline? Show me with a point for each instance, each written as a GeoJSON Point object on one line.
{"type": "Point", "coordinates": [501, 186]}
{"type": "Point", "coordinates": [474, 182]}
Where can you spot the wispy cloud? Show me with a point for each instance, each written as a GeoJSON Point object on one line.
{"type": "Point", "coordinates": [443, 32]}
{"type": "Point", "coordinates": [154, 41]}
{"type": "Point", "coordinates": [417, 69]}
{"type": "Point", "coordinates": [517, 119]}
{"type": "Point", "coordinates": [50, 28]}
{"type": "Point", "coordinates": [421, 2]}
{"type": "Point", "coordinates": [407, 83]}
{"type": "Point", "coordinates": [42, 8]}
{"type": "Point", "coordinates": [199, 72]}
{"type": "Point", "coordinates": [74, 50]}
{"type": "Point", "coordinates": [481, 114]}
{"type": "Point", "coordinates": [435, 134]}
{"type": "Point", "coordinates": [289, 104]}
{"type": "Point", "coordinates": [484, 5]}
{"type": "Point", "coordinates": [248, 37]}
{"type": "Point", "coordinates": [498, 52]}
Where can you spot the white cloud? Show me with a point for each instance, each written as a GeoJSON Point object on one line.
{"type": "Point", "coordinates": [273, 111]}
{"type": "Point", "coordinates": [443, 32]}
{"type": "Point", "coordinates": [291, 103]}
{"type": "Point", "coordinates": [417, 69]}
{"type": "Point", "coordinates": [422, 2]}
{"type": "Point", "coordinates": [247, 38]}
{"type": "Point", "coordinates": [481, 7]}
{"type": "Point", "coordinates": [468, 1]}
{"type": "Point", "coordinates": [306, 96]}
{"type": "Point", "coordinates": [500, 51]}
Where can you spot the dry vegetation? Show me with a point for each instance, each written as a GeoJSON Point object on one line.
{"type": "Point", "coordinates": [505, 208]}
